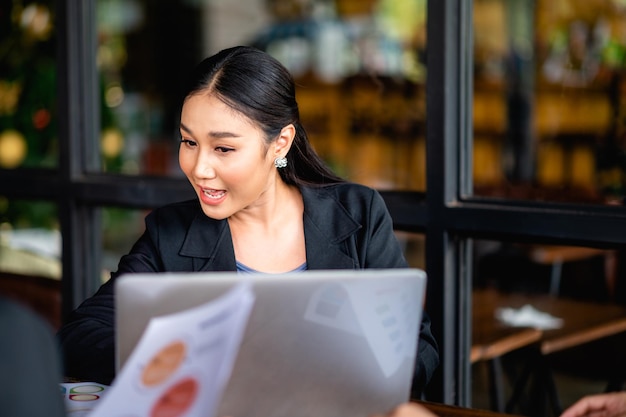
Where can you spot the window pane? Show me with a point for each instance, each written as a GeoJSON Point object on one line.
{"type": "Point", "coordinates": [28, 113]}
{"type": "Point", "coordinates": [565, 303]}
{"type": "Point", "coordinates": [359, 68]}
{"type": "Point", "coordinates": [414, 248]}
{"type": "Point", "coordinates": [121, 228]}
{"type": "Point", "coordinates": [30, 242]}
{"type": "Point", "coordinates": [548, 100]}
{"type": "Point", "coordinates": [30, 256]}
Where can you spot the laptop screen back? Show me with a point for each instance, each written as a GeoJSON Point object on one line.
{"type": "Point", "coordinates": [317, 342]}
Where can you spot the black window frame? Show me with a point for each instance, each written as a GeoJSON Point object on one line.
{"type": "Point", "coordinates": [448, 215]}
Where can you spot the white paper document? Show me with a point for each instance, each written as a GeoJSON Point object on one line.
{"type": "Point", "coordinates": [182, 362]}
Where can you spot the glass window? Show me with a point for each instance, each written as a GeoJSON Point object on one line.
{"type": "Point", "coordinates": [121, 228]}
{"type": "Point", "coordinates": [565, 303]}
{"type": "Point", "coordinates": [549, 100]}
{"type": "Point", "coordinates": [359, 68]}
{"type": "Point", "coordinates": [30, 256]}
{"type": "Point", "coordinates": [414, 247]}
{"type": "Point", "coordinates": [30, 241]}
{"type": "Point", "coordinates": [567, 271]}
{"type": "Point", "coordinates": [28, 113]}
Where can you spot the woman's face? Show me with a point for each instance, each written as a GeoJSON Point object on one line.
{"type": "Point", "coordinates": [224, 156]}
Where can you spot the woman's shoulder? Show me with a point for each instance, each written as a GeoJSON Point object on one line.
{"type": "Point", "coordinates": [352, 197]}
{"type": "Point", "coordinates": [344, 189]}
{"type": "Point", "coordinates": [346, 193]}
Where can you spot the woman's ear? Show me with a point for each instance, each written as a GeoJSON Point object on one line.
{"type": "Point", "coordinates": [284, 140]}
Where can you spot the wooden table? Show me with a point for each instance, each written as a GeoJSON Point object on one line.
{"type": "Point", "coordinates": [583, 322]}
{"type": "Point", "coordinates": [492, 339]}
{"type": "Point", "coordinates": [443, 410]}
{"type": "Point", "coordinates": [491, 345]}
{"type": "Point", "coordinates": [556, 256]}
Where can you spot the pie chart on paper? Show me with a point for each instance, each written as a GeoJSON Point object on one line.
{"type": "Point", "coordinates": [164, 364]}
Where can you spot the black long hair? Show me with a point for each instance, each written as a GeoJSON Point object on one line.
{"type": "Point", "coordinates": [257, 85]}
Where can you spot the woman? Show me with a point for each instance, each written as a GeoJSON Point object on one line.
{"type": "Point", "coordinates": [266, 203]}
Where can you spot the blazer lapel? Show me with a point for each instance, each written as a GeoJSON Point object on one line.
{"type": "Point", "coordinates": [326, 227]}
{"type": "Point", "coordinates": [209, 243]}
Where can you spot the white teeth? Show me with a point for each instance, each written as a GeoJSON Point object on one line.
{"type": "Point", "coordinates": [214, 193]}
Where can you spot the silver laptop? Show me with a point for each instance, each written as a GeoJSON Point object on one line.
{"type": "Point", "coordinates": [317, 343]}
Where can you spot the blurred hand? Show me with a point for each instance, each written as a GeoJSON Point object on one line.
{"type": "Point", "coordinates": [601, 405]}
{"type": "Point", "coordinates": [408, 410]}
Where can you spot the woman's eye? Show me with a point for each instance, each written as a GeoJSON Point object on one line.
{"type": "Point", "coordinates": [188, 142]}
{"type": "Point", "coordinates": [223, 149]}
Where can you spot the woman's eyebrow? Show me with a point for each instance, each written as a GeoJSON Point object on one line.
{"type": "Point", "coordinates": [220, 135]}
{"type": "Point", "coordinates": [213, 134]}
{"type": "Point", "coordinates": [185, 128]}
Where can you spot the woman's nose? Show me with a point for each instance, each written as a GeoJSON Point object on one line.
{"type": "Point", "coordinates": [204, 167]}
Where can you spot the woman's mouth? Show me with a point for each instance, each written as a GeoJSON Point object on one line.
{"type": "Point", "coordinates": [212, 197]}
{"type": "Point", "coordinates": [213, 194]}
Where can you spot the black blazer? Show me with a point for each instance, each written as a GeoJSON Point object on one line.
{"type": "Point", "coordinates": [346, 226]}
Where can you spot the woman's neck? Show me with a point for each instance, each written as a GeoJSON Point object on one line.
{"type": "Point", "coordinates": [270, 210]}
{"type": "Point", "coordinates": [271, 239]}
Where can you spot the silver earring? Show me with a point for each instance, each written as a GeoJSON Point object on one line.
{"type": "Point", "coordinates": [280, 162]}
